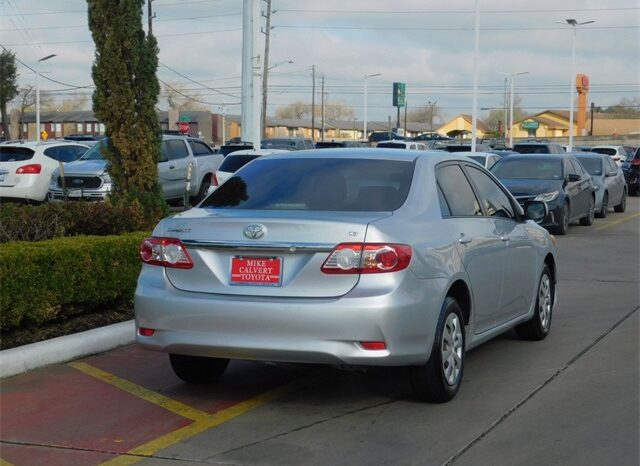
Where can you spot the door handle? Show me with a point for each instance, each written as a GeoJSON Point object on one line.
{"type": "Point", "coordinates": [171, 167]}
{"type": "Point", "coordinates": [464, 239]}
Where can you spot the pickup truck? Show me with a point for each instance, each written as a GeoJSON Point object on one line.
{"type": "Point", "coordinates": [186, 165]}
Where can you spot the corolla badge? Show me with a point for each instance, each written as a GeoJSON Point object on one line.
{"type": "Point", "coordinates": [254, 231]}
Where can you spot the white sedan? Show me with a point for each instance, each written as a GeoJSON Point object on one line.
{"type": "Point", "coordinates": [26, 167]}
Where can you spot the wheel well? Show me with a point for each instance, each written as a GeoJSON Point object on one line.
{"type": "Point", "coordinates": [460, 293]}
{"type": "Point", "coordinates": [551, 263]}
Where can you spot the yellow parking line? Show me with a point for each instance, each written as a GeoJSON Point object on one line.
{"type": "Point", "coordinates": [150, 448]}
{"type": "Point", "coordinates": [617, 222]}
{"type": "Point", "coordinates": [202, 420]}
{"type": "Point", "coordinates": [5, 463]}
{"type": "Point", "coordinates": [174, 406]}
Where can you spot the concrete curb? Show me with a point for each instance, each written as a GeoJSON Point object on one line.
{"type": "Point", "coordinates": [15, 361]}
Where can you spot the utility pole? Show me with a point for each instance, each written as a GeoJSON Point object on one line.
{"type": "Point", "coordinates": [593, 109]}
{"type": "Point", "coordinates": [313, 102]}
{"type": "Point", "coordinates": [406, 105]}
{"type": "Point", "coordinates": [265, 72]}
{"type": "Point", "coordinates": [506, 123]}
{"type": "Point", "coordinates": [323, 98]}
{"type": "Point", "coordinates": [150, 16]}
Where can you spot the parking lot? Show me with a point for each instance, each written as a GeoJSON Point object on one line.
{"type": "Point", "coordinates": [569, 399]}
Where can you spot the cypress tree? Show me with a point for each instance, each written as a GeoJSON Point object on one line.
{"type": "Point", "coordinates": [127, 89]}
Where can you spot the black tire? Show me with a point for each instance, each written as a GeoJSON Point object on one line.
{"type": "Point", "coordinates": [538, 327]}
{"type": "Point", "coordinates": [563, 221]}
{"type": "Point", "coordinates": [604, 210]}
{"type": "Point", "coordinates": [430, 381]}
{"type": "Point", "coordinates": [202, 192]}
{"type": "Point", "coordinates": [587, 220]}
{"type": "Point", "coordinates": [197, 369]}
{"type": "Point", "coordinates": [623, 203]}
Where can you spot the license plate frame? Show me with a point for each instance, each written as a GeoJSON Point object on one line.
{"type": "Point", "coordinates": [256, 271]}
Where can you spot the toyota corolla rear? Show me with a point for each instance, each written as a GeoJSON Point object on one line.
{"type": "Point", "coordinates": [290, 260]}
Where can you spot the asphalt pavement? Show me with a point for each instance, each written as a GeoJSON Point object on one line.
{"type": "Point", "coordinates": [570, 399]}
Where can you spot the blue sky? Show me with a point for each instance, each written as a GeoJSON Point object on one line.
{"type": "Point", "coordinates": [427, 44]}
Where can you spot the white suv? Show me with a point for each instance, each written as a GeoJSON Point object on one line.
{"type": "Point", "coordinates": [26, 167]}
{"type": "Point", "coordinates": [617, 153]}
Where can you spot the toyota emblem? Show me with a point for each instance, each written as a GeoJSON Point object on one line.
{"type": "Point", "coordinates": [255, 231]}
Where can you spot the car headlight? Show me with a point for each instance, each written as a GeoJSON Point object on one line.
{"type": "Point", "coordinates": [105, 176]}
{"type": "Point", "coordinates": [547, 197]}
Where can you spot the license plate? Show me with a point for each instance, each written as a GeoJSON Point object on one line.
{"type": "Point", "coordinates": [77, 193]}
{"type": "Point", "coordinates": [256, 271]}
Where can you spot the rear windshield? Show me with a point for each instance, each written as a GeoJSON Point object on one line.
{"type": "Point", "coordinates": [531, 148]}
{"type": "Point", "coordinates": [15, 154]}
{"type": "Point", "coordinates": [593, 166]}
{"type": "Point", "coordinates": [604, 150]}
{"type": "Point", "coordinates": [329, 145]}
{"type": "Point", "coordinates": [233, 162]}
{"type": "Point", "coordinates": [326, 184]}
{"type": "Point", "coordinates": [224, 150]}
{"type": "Point", "coordinates": [528, 169]}
{"type": "Point", "coordinates": [392, 145]}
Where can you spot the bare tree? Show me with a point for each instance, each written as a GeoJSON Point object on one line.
{"type": "Point", "coordinates": [75, 103]}
{"type": "Point", "coordinates": [300, 110]}
{"type": "Point", "coordinates": [428, 114]}
{"type": "Point", "coordinates": [180, 98]}
{"type": "Point", "coordinates": [495, 117]}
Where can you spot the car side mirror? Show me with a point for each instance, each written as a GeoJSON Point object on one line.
{"type": "Point", "coordinates": [610, 174]}
{"type": "Point", "coordinates": [536, 210]}
{"type": "Point", "coordinates": [573, 177]}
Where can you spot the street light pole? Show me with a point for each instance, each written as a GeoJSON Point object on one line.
{"type": "Point", "coordinates": [38, 95]}
{"type": "Point", "coordinates": [366, 76]}
{"type": "Point", "coordinates": [476, 53]}
{"type": "Point", "coordinates": [574, 24]}
{"type": "Point", "coordinates": [511, 76]}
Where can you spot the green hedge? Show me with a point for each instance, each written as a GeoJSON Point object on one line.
{"type": "Point", "coordinates": [45, 280]}
{"type": "Point", "coordinates": [20, 222]}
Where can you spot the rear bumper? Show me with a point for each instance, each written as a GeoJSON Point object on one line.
{"type": "Point", "coordinates": [28, 187]}
{"type": "Point", "coordinates": [301, 330]}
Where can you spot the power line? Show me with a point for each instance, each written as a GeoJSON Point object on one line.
{"type": "Point", "coordinates": [408, 28]}
{"type": "Point", "coordinates": [194, 99]}
{"type": "Point", "coordinates": [414, 12]}
{"type": "Point", "coordinates": [199, 83]}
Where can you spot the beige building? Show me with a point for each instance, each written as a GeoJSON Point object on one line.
{"type": "Point", "coordinates": [555, 124]}
{"type": "Point", "coordinates": [460, 126]}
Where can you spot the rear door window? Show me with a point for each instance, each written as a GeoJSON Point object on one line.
{"type": "Point", "coordinates": [316, 184]}
{"type": "Point", "coordinates": [15, 154]}
{"type": "Point", "coordinates": [531, 148]}
{"type": "Point", "coordinates": [460, 198]}
{"type": "Point", "coordinates": [164, 152]}
{"type": "Point", "coordinates": [177, 149]}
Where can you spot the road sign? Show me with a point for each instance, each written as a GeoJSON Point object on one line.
{"type": "Point", "coordinates": [530, 124]}
{"type": "Point", "coordinates": [183, 127]}
{"type": "Point", "coordinates": [44, 135]}
{"type": "Point", "coordinates": [399, 94]}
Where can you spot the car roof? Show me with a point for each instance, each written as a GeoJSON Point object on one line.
{"type": "Point", "coordinates": [563, 155]}
{"type": "Point", "coordinates": [258, 152]}
{"type": "Point", "coordinates": [34, 144]}
{"type": "Point", "coordinates": [606, 147]}
{"type": "Point", "coordinates": [588, 155]}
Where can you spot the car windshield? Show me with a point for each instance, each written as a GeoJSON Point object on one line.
{"type": "Point", "coordinates": [95, 153]}
{"type": "Point", "coordinates": [531, 148]}
{"type": "Point", "coordinates": [15, 154]}
{"type": "Point", "coordinates": [234, 162]}
{"type": "Point", "coordinates": [593, 166]}
{"type": "Point", "coordinates": [604, 150]}
{"type": "Point", "coordinates": [326, 184]}
{"type": "Point", "coordinates": [531, 169]}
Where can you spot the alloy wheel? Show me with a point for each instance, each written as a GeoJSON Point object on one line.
{"type": "Point", "coordinates": [544, 302]}
{"type": "Point", "coordinates": [452, 349]}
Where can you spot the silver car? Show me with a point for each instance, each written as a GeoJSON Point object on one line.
{"type": "Point", "coordinates": [608, 180]}
{"type": "Point", "coordinates": [373, 257]}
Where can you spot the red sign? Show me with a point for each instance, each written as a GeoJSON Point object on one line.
{"type": "Point", "coordinates": [183, 127]}
{"type": "Point", "coordinates": [256, 271]}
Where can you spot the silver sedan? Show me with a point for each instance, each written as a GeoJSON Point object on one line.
{"type": "Point", "coordinates": [373, 257]}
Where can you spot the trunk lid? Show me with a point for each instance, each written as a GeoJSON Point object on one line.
{"type": "Point", "coordinates": [299, 242]}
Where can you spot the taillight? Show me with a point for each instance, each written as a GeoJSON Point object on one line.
{"type": "Point", "coordinates": [349, 258]}
{"type": "Point", "coordinates": [635, 161]}
{"type": "Point", "coordinates": [31, 169]}
{"type": "Point", "coordinates": [166, 252]}
{"type": "Point", "coordinates": [214, 180]}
